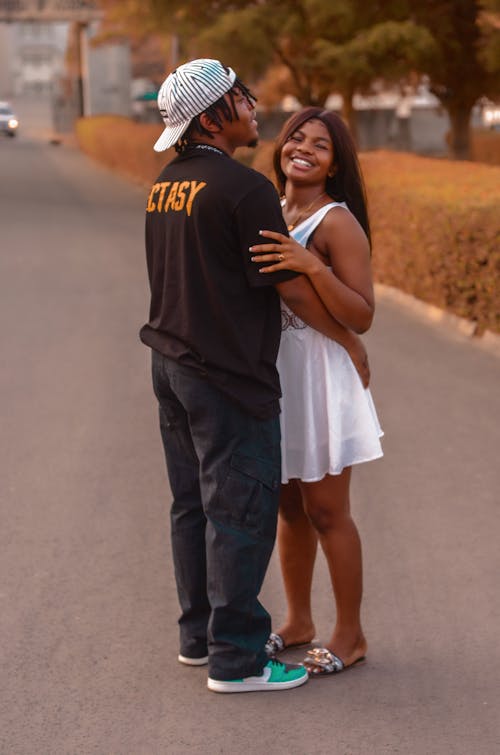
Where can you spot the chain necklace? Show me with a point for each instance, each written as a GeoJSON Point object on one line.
{"type": "Point", "coordinates": [210, 148]}
{"type": "Point", "coordinates": [302, 213]}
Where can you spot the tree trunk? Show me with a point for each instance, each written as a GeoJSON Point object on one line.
{"type": "Point", "coordinates": [459, 142]}
{"type": "Point", "coordinates": [349, 114]}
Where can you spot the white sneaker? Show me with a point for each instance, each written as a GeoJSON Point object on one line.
{"type": "Point", "coordinates": [275, 675]}
{"type": "Point", "coordinates": [192, 661]}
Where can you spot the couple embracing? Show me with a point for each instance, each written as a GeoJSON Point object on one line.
{"type": "Point", "coordinates": [260, 375]}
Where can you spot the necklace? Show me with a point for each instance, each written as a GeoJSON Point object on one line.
{"type": "Point", "coordinates": [209, 148]}
{"type": "Point", "coordinates": [302, 213]}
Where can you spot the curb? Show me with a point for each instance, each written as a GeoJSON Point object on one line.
{"type": "Point", "coordinates": [490, 341]}
{"type": "Point", "coordinates": [467, 328]}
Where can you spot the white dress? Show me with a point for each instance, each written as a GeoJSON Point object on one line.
{"type": "Point", "coordinates": [328, 420]}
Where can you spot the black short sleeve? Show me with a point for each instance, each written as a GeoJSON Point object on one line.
{"type": "Point", "coordinates": [259, 210]}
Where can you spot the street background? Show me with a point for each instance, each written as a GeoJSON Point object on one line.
{"type": "Point", "coordinates": [88, 612]}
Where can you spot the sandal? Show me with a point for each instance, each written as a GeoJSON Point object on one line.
{"type": "Point", "coordinates": [322, 662]}
{"type": "Point", "coordinates": [276, 644]}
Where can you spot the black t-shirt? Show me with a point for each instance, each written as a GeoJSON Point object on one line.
{"type": "Point", "coordinates": [211, 309]}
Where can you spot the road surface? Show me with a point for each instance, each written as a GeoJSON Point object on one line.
{"type": "Point", "coordinates": [88, 607]}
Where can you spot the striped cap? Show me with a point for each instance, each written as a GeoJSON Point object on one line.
{"type": "Point", "coordinates": [187, 92]}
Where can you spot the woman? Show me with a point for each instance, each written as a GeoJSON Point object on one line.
{"type": "Point", "coordinates": [328, 418]}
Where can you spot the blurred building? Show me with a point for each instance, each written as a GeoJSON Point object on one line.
{"type": "Point", "coordinates": [96, 78]}
{"type": "Point", "coordinates": [32, 56]}
{"type": "Point", "coordinates": [107, 75]}
{"type": "Point", "coordinates": [395, 117]}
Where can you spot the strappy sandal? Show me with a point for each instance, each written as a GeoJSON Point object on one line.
{"type": "Point", "coordinates": [322, 662]}
{"type": "Point", "coordinates": [276, 644]}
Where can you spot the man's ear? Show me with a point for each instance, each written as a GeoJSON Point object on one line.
{"type": "Point", "coordinates": [209, 124]}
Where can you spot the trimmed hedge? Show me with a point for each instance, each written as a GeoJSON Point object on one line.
{"type": "Point", "coordinates": [123, 145]}
{"type": "Point", "coordinates": [436, 230]}
{"type": "Point", "coordinates": [486, 146]}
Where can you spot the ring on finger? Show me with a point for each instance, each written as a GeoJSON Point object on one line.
{"type": "Point", "coordinates": [281, 257]}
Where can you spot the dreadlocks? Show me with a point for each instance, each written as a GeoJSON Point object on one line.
{"type": "Point", "coordinates": [220, 111]}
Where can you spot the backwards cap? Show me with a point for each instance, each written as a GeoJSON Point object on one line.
{"type": "Point", "coordinates": [187, 92]}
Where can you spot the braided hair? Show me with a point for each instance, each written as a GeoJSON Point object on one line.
{"type": "Point", "coordinates": [220, 111]}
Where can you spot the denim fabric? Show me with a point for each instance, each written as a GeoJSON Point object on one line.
{"type": "Point", "coordinates": [224, 471]}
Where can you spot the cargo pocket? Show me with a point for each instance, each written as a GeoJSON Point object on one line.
{"type": "Point", "coordinates": [175, 432]}
{"type": "Point", "coordinates": [248, 497]}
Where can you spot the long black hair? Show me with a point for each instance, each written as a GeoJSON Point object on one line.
{"type": "Point", "coordinates": [346, 185]}
{"type": "Point", "coordinates": [220, 111]}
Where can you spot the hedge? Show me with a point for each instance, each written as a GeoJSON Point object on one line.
{"type": "Point", "coordinates": [436, 232]}
{"type": "Point", "coordinates": [123, 145]}
{"type": "Point", "coordinates": [436, 228]}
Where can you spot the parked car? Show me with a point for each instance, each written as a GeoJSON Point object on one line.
{"type": "Point", "coordinates": [8, 121]}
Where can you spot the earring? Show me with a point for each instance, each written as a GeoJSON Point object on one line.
{"type": "Point", "coordinates": [331, 173]}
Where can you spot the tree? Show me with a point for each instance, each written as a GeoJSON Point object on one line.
{"type": "Point", "coordinates": [342, 45]}
{"type": "Point", "coordinates": [467, 63]}
{"type": "Point", "coordinates": [153, 51]}
{"type": "Point", "coordinates": [387, 50]}
{"type": "Point", "coordinates": [338, 45]}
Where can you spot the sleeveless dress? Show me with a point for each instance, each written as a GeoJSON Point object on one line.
{"type": "Point", "coordinates": [328, 420]}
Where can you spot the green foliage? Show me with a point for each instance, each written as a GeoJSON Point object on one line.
{"type": "Point", "coordinates": [489, 55]}
{"type": "Point", "coordinates": [468, 63]}
{"type": "Point", "coordinates": [242, 38]}
{"type": "Point", "coordinates": [325, 45]}
{"type": "Point", "coordinates": [342, 45]}
{"type": "Point", "coordinates": [126, 17]}
{"type": "Point", "coordinates": [389, 50]}
{"type": "Point", "coordinates": [489, 50]}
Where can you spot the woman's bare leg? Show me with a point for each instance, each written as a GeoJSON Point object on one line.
{"type": "Point", "coordinates": [327, 505]}
{"type": "Point", "coordinates": [297, 544]}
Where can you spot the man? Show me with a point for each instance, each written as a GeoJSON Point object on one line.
{"type": "Point", "coordinates": [214, 329]}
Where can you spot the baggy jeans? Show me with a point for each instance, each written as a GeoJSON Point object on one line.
{"type": "Point", "coordinates": [224, 469]}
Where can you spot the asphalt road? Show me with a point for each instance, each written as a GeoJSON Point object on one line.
{"type": "Point", "coordinates": [88, 608]}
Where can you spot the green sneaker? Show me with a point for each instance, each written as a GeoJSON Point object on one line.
{"type": "Point", "coordinates": [275, 675]}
